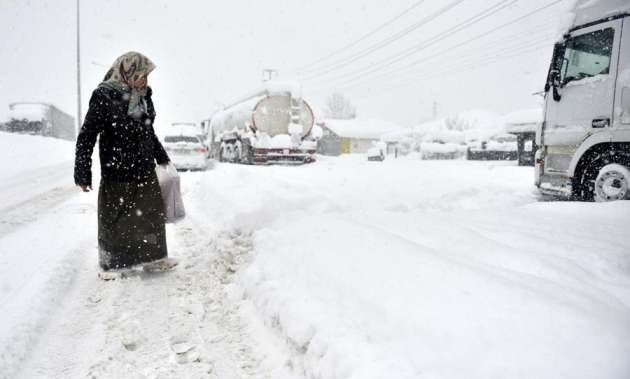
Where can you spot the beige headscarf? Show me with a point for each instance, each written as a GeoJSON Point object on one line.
{"type": "Point", "coordinates": [128, 68]}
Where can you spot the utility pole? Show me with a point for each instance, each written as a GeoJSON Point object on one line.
{"type": "Point", "coordinates": [79, 121]}
{"type": "Point", "coordinates": [269, 73]}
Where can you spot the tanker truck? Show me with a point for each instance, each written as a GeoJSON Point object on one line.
{"type": "Point", "coordinates": [584, 140]}
{"type": "Point", "coordinates": [272, 125]}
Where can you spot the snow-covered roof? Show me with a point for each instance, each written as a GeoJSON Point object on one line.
{"type": "Point", "coordinates": [526, 120]}
{"type": "Point", "coordinates": [360, 128]}
{"type": "Point", "coordinates": [471, 124]}
{"type": "Point", "coordinates": [525, 116]}
{"type": "Point", "coordinates": [468, 125]}
{"type": "Point", "coordinates": [28, 111]}
{"type": "Point", "coordinates": [586, 11]}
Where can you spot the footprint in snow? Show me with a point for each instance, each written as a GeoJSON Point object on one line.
{"type": "Point", "coordinates": [185, 352]}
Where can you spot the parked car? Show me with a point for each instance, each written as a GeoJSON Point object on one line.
{"type": "Point", "coordinates": [500, 147]}
{"type": "Point", "coordinates": [187, 152]}
{"type": "Point", "coordinates": [377, 152]}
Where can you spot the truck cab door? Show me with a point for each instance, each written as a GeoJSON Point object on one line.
{"type": "Point", "coordinates": [621, 122]}
{"type": "Point", "coordinates": [587, 64]}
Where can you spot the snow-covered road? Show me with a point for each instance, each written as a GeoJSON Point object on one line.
{"type": "Point", "coordinates": [340, 269]}
{"type": "Point", "coordinates": [429, 269]}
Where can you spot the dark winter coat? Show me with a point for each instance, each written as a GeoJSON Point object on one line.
{"type": "Point", "coordinates": [128, 147]}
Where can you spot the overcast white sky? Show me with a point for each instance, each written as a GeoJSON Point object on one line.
{"type": "Point", "coordinates": [211, 51]}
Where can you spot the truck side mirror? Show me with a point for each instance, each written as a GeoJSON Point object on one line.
{"type": "Point", "coordinates": [553, 77]}
{"type": "Point", "coordinates": [555, 84]}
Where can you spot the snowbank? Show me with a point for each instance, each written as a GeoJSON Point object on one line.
{"type": "Point", "coordinates": [23, 153]}
{"type": "Point", "coordinates": [432, 269]}
{"type": "Point", "coordinates": [445, 298]}
{"type": "Point", "coordinates": [452, 131]}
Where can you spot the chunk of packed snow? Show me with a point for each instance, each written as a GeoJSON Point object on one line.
{"type": "Point", "coordinates": [281, 141]}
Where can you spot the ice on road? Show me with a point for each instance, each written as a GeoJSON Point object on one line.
{"type": "Point", "coordinates": [340, 269]}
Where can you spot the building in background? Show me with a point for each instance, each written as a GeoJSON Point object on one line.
{"type": "Point", "coordinates": [524, 124]}
{"type": "Point", "coordinates": [355, 136]}
{"type": "Point", "coordinates": [448, 137]}
{"type": "Point", "coordinates": [40, 119]}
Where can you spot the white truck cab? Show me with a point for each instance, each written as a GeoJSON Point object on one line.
{"type": "Point", "coordinates": [584, 140]}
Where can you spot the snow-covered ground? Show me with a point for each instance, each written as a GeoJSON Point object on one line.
{"type": "Point", "coordinates": [429, 269]}
{"type": "Point", "coordinates": [32, 165]}
{"type": "Point", "coordinates": [340, 269]}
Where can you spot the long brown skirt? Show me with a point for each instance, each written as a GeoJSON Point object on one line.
{"type": "Point", "coordinates": [130, 223]}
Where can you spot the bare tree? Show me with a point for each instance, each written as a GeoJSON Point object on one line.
{"type": "Point", "coordinates": [339, 107]}
{"type": "Point", "coordinates": [457, 123]}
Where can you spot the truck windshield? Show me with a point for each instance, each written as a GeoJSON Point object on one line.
{"type": "Point", "coordinates": [587, 55]}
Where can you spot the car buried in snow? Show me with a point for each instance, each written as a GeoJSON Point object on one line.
{"type": "Point", "coordinates": [377, 152]}
{"type": "Point", "coordinates": [501, 147]}
{"type": "Point", "coordinates": [584, 140]}
{"type": "Point", "coordinates": [185, 148]}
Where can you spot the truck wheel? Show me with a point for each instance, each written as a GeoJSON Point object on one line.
{"type": "Point", "coordinates": [236, 157]}
{"type": "Point", "coordinates": [612, 183]}
{"type": "Point", "coordinates": [247, 153]}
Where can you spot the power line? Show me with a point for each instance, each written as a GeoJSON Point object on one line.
{"type": "Point", "coordinates": [432, 57]}
{"type": "Point", "coordinates": [477, 37]}
{"type": "Point", "coordinates": [363, 38]}
{"type": "Point", "coordinates": [492, 57]}
{"type": "Point", "coordinates": [466, 63]}
{"type": "Point", "coordinates": [468, 66]}
{"type": "Point", "coordinates": [433, 40]}
{"type": "Point", "coordinates": [515, 43]}
{"type": "Point", "coordinates": [389, 40]}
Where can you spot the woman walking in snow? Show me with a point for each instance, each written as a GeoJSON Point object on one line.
{"type": "Point", "coordinates": [130, 209]}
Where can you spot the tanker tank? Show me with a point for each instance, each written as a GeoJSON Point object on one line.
{"type": "Point", "coordinates": [270, 125]}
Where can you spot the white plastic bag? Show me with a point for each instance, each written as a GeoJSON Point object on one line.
{"type": "Point", "coordinates": [171, 192]}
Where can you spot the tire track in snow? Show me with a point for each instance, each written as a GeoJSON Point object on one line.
{"type": "Point", "coordinates": [44, 311]}
{"type": "Point", "coordinates": [32, 183]}
{"type": "Point", "coordinates": [581, 298]}
{"type": "Point", "coordinates": [18, 215]}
